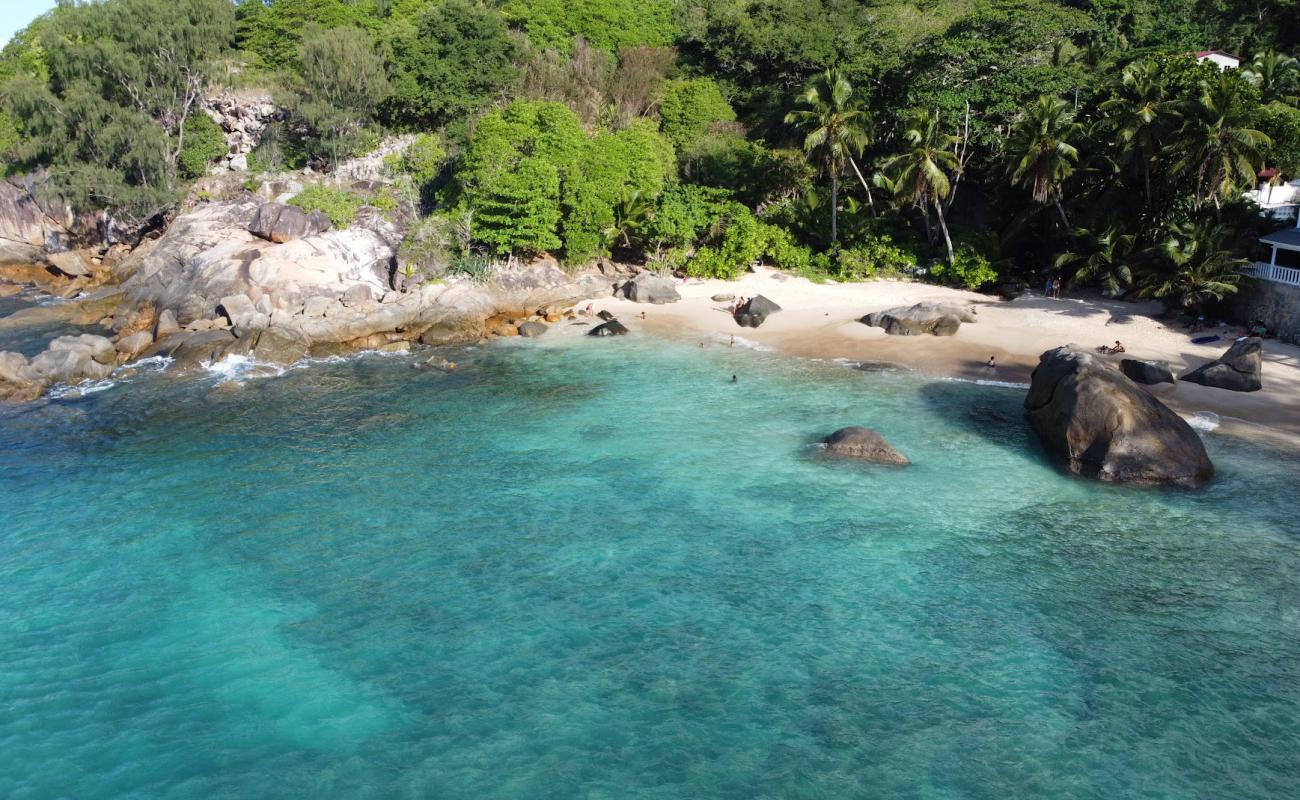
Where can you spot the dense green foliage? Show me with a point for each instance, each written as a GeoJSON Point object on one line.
{"type": "Point", "coordinates": [204, 143]}
{"type": "Point", "coordinates": [969, 141]}
{"type": "Point", "coordinates": [340, 205]}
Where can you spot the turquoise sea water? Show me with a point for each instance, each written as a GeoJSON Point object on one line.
{"type": "Point", "coordinates": [598, 569]}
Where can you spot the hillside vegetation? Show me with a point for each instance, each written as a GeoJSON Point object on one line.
{"type": "Point", "coordinates": [973, 141]}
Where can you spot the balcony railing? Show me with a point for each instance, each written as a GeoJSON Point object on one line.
{"type": "Point", "coordinates": [1272, 272]}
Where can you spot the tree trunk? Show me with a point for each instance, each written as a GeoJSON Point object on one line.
{"type": "Point", "coordinates": [1146, 177]}
{"type": "Point", "coordinates": [1061, 210]}
{"type": "Point", "coordinates": [870, 201]}
{"type": "Point", "coordinates": [947, 240]}
{"type": "Point", "coordinates": [835, 207]}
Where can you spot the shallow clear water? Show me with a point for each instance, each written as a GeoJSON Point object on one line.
{"type": "Point", "coordinates": [30, 339]}
{"type": "Point", "coordinates": [601, 570]}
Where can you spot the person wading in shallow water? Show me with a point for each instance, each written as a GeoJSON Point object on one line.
{"type": "Point", "coordinates": [733, 379]}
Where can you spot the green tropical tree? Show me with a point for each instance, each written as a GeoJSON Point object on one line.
{"type": "Point", "coordinates": [1215, 144]}
{"type": "Point", "coordinates": [1101, 257]}
{"type": "Point", "coordinates": [1197, 267]}
{"type": "Point", "coordinates": [631, 213]}
{"type": "Point", "coordinates": [1136, 113]}
{"type": "Point", "coordinates": [1275, 75]}
{"type": "Point", "coordinates": [836, 128]}
{"type": "Point", "coordinates": [920, 175]}
{"type": "Point", "coordinates": [1041, 153]}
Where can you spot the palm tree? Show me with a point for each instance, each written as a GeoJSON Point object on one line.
{"type": "Point", "coordinates": [919, 176]}
{"type": "Point", "coordinates": [1199, 268]}
{"type": "Point", "coordinates": [1136, 112]}
{"type": "Point", "coordinates": [1215, 144]}
{"type": "Point", "coordinates": [1104, 258]}
{"type": "Point", "coordinates": [1274, 74]}
{"type": "Point", "coordinates": [1041, 150]}
{"type": "Point", "coordinates": [631, 212]}
{"type": "Point", "coordinates": [836, 128]}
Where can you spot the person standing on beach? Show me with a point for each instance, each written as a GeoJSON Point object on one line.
{"type": "Point", "coordinates": [1050, 287]}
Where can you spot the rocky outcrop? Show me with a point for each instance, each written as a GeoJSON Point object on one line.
{"type": "Point", "coordinates": [649, 287]}
{"type": "Point", "coordinates": [755, 311]}
{"type": "Point", "coordinates": [1100, 424]}
{"type": "Point", "coordinates": [611, 328]}
{"type": "Point", "coordinates": [1146, 372]}
{"type": "Point", "coordinates": [243, 117]}
{"type": "Point", "coordinates": [209, 254]}
{"type": "Point", "coordinates": [865, 444]}
{"type": "Point", "coordinates": [533, 328]}
{"type": "Point", "coordinates": [27, 231]}
{"type": "Point", "coordinates": [67, 359]}
{"type": "Point", "coordinates": [935, 319]}
{"type": "Point", "coordinates": [1240, 369]}
{"type": "Point", "coordinates": [277, 222]}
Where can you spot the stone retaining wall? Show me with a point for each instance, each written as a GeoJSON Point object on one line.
{"type": "Point", "coordinates": [1277, 304]}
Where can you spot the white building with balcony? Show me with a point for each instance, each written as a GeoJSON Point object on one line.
{"type": "Point", "coordinates": [1283, 265]}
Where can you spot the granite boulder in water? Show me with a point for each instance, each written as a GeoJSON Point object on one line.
{"type": "Point", "coordinates": [1240, 369]}
{"type": "Point", "coordinates": [611, 328]}
{"type": "Point", "coordinates": [865, 444]}
{"type": "Point", "coordinates": [1101, 425]}
{"type": "Point", "coordinates": [755, 311]}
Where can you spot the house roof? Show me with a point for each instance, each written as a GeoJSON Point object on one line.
{"type": "Point", "coordinates": [1208, 53]}
{"type": "Point", "coordinates": [1287, 238]}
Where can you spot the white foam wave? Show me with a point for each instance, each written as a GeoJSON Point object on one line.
{"type": "Point", "coordinates": [989, 382]}
{"type": "Point", "coordinates": [239, 368]}
{"type": "Point", "coordinates": [741, 341]}
{"type": "Point", "coordinates": [64, 390]}
{"type": "Point", "coordinates": [1205, 421]}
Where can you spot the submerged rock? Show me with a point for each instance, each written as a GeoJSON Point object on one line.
{"type": "Point", "coordinates": [649, 287]}
{"type": "Point", "coordinates": [1146, 372]}
{"type": "Point", "coordinates": [1102, 425]}
{"type": "Point", "coordinates": [936, 319]}
{"type": "Point", "coordinates": [863, 443]}
{"type": "Point", "coordinates": [1240, 369]}
{"type": "Point", "coordinates": [610, 328]}
{"type": "Point", "coordinates": [755, 311]}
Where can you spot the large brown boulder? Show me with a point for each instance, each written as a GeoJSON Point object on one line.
{"type": "Point", "coordinates": [1240, 369]}
{"type": "Point", "coordinates": [863, 443]}
{"type": "Point", "coordinates": [1102, 425]}
{"type": "Point", "coordinates": [280, 223]}
{"type": "Point", "coordinates": [755, 311]}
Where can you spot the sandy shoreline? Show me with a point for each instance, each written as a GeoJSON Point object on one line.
{"type": "Point", "coordinates": [821, 321]}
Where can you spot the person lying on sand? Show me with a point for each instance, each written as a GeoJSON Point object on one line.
{"type": "Point", "coordinates": [1118, 347]}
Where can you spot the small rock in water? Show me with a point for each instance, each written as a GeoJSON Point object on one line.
{"type": "Point", "coordinates": [864, 443]}
{"type": "Point", "coordinates": [611, 328]}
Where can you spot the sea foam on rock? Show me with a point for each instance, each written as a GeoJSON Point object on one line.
{"type": "Point", "coordinates": [1100, 424]}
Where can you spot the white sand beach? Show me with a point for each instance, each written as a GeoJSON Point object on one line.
{"type": "Point", "coordinates": [822, 321]}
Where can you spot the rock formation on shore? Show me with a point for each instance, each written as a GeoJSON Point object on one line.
{"type": "Point", "coordinates": [1240, 369]}
{"type": "Point", "coordinates": [1100, 424]}
{"type": "Point", "coordinates": [936, 319]}
{"type": "Point", "coordinates": [865, 444]}
{"type": "Point", "coordinates": [649, 287]}
{"type": "Point", "coordinates": [266, 280]}
{"type": "Point", "coordinates": [755, 311]}
{"type": "Point", "coordinates": [1146, 372]}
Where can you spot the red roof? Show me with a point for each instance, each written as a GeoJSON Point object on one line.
{"type": "Point", "coordinates": [1207, 53]}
